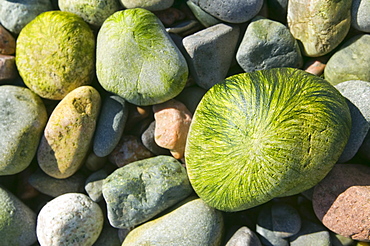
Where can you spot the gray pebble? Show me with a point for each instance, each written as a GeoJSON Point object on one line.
{"type": "Point", "coordinates": [94, 185]}
{"type": "Point", "coordinates": [311, 232]}
{"type": "Point", "coordinates": [360, 15]}
{"type": "Point", "coordinates": [244, 237]}
{"type": "Point", "coordinates": [147, 138]}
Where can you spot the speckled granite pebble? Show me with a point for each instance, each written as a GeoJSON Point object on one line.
{"type": "Point", "coordinates": [69, 219]}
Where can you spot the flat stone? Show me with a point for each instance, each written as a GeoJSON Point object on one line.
{"type": "Point", "coordinates": [7, 42]}
{"type": "Point", "coordinates": [210, 53]}
{"type": "Point", "coordinates": [110, 126]}
{"type": "Point", "coordinates": [152, 5]}
{"type": "Point", "coordinates": [360, 15]}
{"type": "Point", "coordinates": [22, 119]}
{"type": "Point", "coordinates": [69, 133]}
{"type": "Point", "coordinates": [17, 221]}
{"type": "Point", "coordinates": [311, 232]}
{"type": "Point", "coordinates": [232, 11]}
{"type": "Point", "coordinates": [191, 223]}
{"type": "Point", "coordinates": [320, 25]}
{"type": "Point", "coordinates": [94, 185]}
{"type": "Point", "coordinates": [137, 192]}
{"type": "Point", "coordinates": [350, 62]}
{"type": "Point", "coordinates": [8, 69]}
{"type": "Point", "coordinates": [69, 219]}
{"type": "Point", "coordinates": [268, 44]}
{"type": "Point", "coordinates": [244, 236]}
{"type": "Point", "coordinates": [148, 140]}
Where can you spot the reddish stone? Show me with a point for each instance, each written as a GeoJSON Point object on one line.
{"type": "Point", "coordinates": [7, 42]}
{"type": "Point", "coordinates": [7, 67]}
{"type": "Point", "coordinates": [316, 66]}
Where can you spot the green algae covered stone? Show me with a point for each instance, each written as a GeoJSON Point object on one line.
{"type": "Point", "coordinates": [56, 54]}
{"type": "Point", "coordinates": [22, 119]}
{"type": "Point", "coordinates": [265, 134]}
{"type": "Point", "coordinates": [137, 59]}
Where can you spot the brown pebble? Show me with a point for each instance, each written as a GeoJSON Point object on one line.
{"type": "Point", "coordinates": [316, 66]}
{"type": "Point", "coordinates": [170, 16]}
{"type": "Point", "coordinates": [7, 67]}
{"type": "Point", "coordinates": [7, 42]}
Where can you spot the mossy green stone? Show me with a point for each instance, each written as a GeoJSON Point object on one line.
{"type": "Point", "coordinates": [56, 54]}
{"type": "Point", "coordinates": [265, 134]}
{"type": "Point", "coordinates": [137, 59]}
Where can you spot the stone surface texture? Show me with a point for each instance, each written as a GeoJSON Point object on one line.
{"type": "Point", "coordinates": [7, 42]}
{"type": "Point", "coordinates": [8, 69]}
{"type": "Point", "coordinates": [360, 15]}
{"type": "Point", "coordinates": [244, 237]}
{"type": "Point", "coordinates": [152, 5]}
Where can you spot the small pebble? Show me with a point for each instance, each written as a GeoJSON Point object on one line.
{"type": "Point", "coordinates": [148, 140]}
{"type": "Point", "coordinates": [244, 237]}
{"type": "Point", "coordinates": [7, 42]}
{"type": "Point", "coordinates": [311, 233]}
{"type": "Point", "coordinates": [94, 185]}
{"type": "Point", "coordinates": [7, 67]}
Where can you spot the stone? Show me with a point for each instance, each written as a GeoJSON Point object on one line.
{"type": "Point", "coordinates": [268, 44]}
{"type": "Point", "coordinates": [58, 59]}
{"type": "Point", "coordinates": [191, 97]}
{"type": "Point", "coordinates": [152, 5]}
{"type": "Point", "coordinates": [244, 237]}
{"type": "Point", "coordinates": [7, 42]}
{"type": "Point", "coordinates": [15, 15]}
{"type": "Point", "coordinates": [184, 28]}
{"type": "Point", "coordinates": [69, 219]}
{"type": "Point", "coordinates": [137, 59]}
{"type": "Point", "coordinates": [350, 62]}
{"type": "Point", "coordinates": [128, 150]}
{"type": "Point", "coordinates": [232, 11]}
{"type": "Point", "coordinates": [94, 12]}
{"type": "Point", "coordinates": [172, 126]}
{"type": "Point", "coordinates": [210, 53]}
{"type": "Point", "coordinates": [148, 140]}
{"type": "Point", "coordinates": [319, 25]}
{"type": "Point", "coordinates": [22, 119]}
{"type": "Point", "coordinates": [315, 66]}
{"type": "Point", "coordinates": [56, 187]}
{"type": "Point", "coordinates": [7, 67]}
{"type": "Point", "coordinates": [341, 201]}
{"type": "Point", "coordinates": [139, 191]}
{"type": "Point", "coordinates": [311, 232]}
{"type": "Point", "coordinates": [110, 126]}
{"type": "Point", "coordinates": [202, 16]}
{"type": "Point", "coordinates": [94, 162]}
{"type": "Point", "coordinates": [360, 15]}
{"type": "Point", "coordinates": [108, 237]}
{"type": "Point", "coordinates": [69, 132]}
{"type": "Point", "coordinates": [357, 93]}
{"type": "Point", "coordinates": [17, 221]}
{"type": "Point", "coordinates": [94, 185]}
{"type": "Point", "coordinates": [191, 223]}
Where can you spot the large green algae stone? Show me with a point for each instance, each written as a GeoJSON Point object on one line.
{"type": "Point", "coordinates": [137, 59]}
{"type": "Point", "coordinates": [265, 134]}
{"type": "Point", "coordinates": [56, 54]}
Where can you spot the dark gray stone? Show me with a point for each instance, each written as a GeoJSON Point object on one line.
{"type": "Point", "coordinates": [147, 138]}
{"type": "Point", "coordinates": [191, 97]}
{"type": "Point", "coordinates": [94, 185]}
{"type": "Point", "coordinates": [244, 237]}
{"type": "Point", "coordinates": [311, 232]}
{"type": "Point", "coordinates": [137, 192]}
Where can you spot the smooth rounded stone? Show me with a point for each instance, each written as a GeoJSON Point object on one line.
{"type": "Point", "coordinates": [268, 44]}
{"type": "Point", "coordinates": [232, 11]}
{"type": "Point", "coordinates": [137, 59]}
{"type": "Point", "coordinates": [191, 97]}
{"type": "Point", "coordinates": [56, 54]}
{"type": "Point", "coordinates": [109, 129]}
{"type": "Point", "coordinates": [190, 223]}
{"type": "Point", "coordinates": [15, 15]}
{"type": "Point", "coordinates": [244, 237]}
{"type": "Point", "coordinates": [360, 15]}
{"type": "Point", "coordinates": [128, 150]}
{"type": "Point", "coordinates": [148, 140]}
{"type": "Point", "coordinates": [69, 132]}
{"type": "Point", "coordinates": [94, 185]}
{"type": "Point", "coordinates": [311, 233]}
{"type": "Point", "coordinates": [8, 69]}
{"type": "Point", "coordinates": [152, 5]}
{"type": "Point", "coordinates": [56, 187]}
{"type": "Point", "coordinates": [94, 12]}
{"type": "Point", "coordinates": [69, 219]}
{"type": "Point", "coordinates": [137, 192]}
{"type": "Point", "coordinates": [319, 25]}
{"type": "Point", "coordinates": [22, 119]}
{"type": "Point", "coordinates": [173, 120]}
{"type": "Point", "coordinates": [108, 237]}
{"type": "Point", "coordinates": [350, 62]}
{"type": "Point", "coordinates": [7, 42]}
{"type": "Point", "coordinates": [202, 16]}
{"type": "Point", "coordinates": [17, 221]}
{"type": "Point", "coordinates": [210, 53]}
{"type": "Point", "coordinates": [341, 201]}
{"type": "Point", "coordinates": [358, 94]}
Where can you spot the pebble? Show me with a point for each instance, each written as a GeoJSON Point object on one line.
{"type": "Point", "coordinates": [69, 219]}
{"type": "Point", "coordinates": [319, 25]}
{"type": "Point", "coordinates": [184, 225]}
{"type": "Point", "coordinates": [268, 44]}
{"type": "Point", "coordinates": [17, 221]}
{"type": "Point", "coordinates": [202, 16]}
{"type": "Point", "coordinates": [210, 53]}
{"type": "Point", "coordinates": [22, 120]}
{"type": "Point", "coordinates": [311, 234]}
{"type": "Point", "coordinates": [148, 140]}
{"type": "Point", "coordinates": [146, 188]}
{"type": "Point", "coordinates": [340, 201]}
{"type": "Point", "coordinates": [110, 126]}
{"type": "Point", "coordinates": [244, 237]}
{"type": "Point", "coordinates": [350, 62]}
{"type": "Point", "coordinates": [69, 133]}
{"type": "Point", "coordinates": [94, 185]}
{"type": "Point", "coordinates": [172, 126]}
{"type": "Point", "coordinates": [231, 11]}
{"type": "Point", "coordinates": [128, 150]}
{"type": "Point", "coordinates": [7, 42]}
{"type": "Point", "coordinates": [360, 15]}
{"type": "Point", "coordinates": [191, 97]}
{"type": "Point", "coordinates": [8, 69]}
{"type": "Point", "coordinates": [152, 5]}
{"type": "Point", "coordinates": [315, 66]}
{"type": "Point", "coordinates": [56, 187]}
